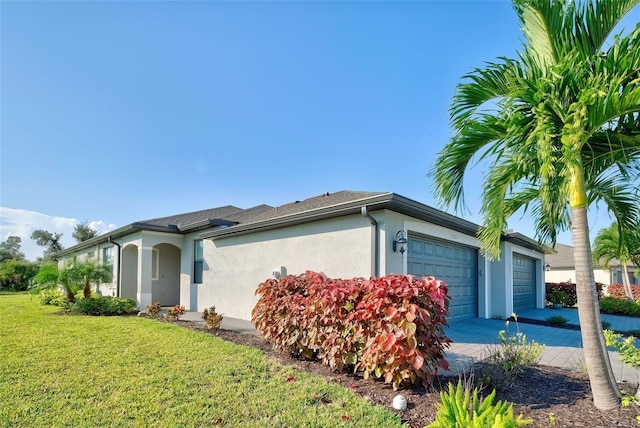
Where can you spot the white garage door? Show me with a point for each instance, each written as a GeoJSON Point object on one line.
{"type": "Point", "coordinates": [524, 283]}
{"type": "Point", "coordinates": [455, 264]}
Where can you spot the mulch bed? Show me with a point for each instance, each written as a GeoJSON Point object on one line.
{"type": "Point", "coordinates": [550, 396]}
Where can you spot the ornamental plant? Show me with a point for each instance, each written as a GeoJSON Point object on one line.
{"type": "Point", "coordinates": [153, 310]}
{"type": "Point", "coordinates": [174, 313]}
{"type": "Point", "coordinates": [611, 305]}
{"type": "Point", "coordinates": [390, 327]}
{"type": "Point", "coordinates": [617, 291]}
{"type": "Point", "coordinates": [570, 289]}
{"type": "Point", "coordinates": [105, 306]}
{"type": "Point", "coordinates": [558, 297]}
{"type": "Point", "coordinates": [628, 353]}
{"type": "Point", "coordinates": [212, 318]}
{"type": "Point", "coordinates": [460, 408]}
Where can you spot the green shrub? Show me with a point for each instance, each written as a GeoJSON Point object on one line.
{"type": "Point", "coordinates": [628, 353]}
{"type": "Point", "coordinates": [212, 318]}
{"type": "Point", "coordinates": [557, 321]}
{"type": "Point", "coordinates": [514, 352]}
{"type": "Point", "coordinates": [458, 408]}
{"type": "Point", "coordinates": [605, 325]}
{"type": "Point", "coordinates": [611, 305]}
{"type": "Point", "coordinates": [174, 313]}
{"type": "Point", "coordinates": [390, 327]}
{"type": "Point", "coordinates": [54, 297]}
{"type": "Point", "coordinates": [558, 297]}
{"type": "Point", "coordinates": [105, 305]}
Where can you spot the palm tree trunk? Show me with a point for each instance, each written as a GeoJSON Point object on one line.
{"type": "Point", "coordinates": [606, 395]}
{"type": "Point", "coordinates": [625, 282]}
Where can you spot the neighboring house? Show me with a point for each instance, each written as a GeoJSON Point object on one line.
{"type": "Point", "coordinates": [560, 267]}
{"type": "Point", "coordinates": [219, 256]}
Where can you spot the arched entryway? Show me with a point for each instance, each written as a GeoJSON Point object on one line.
{"type": "Point", "coordinates": [165, 275]}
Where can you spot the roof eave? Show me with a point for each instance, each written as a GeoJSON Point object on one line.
{"type": "Point", "coordinates": [204, 224]}
{"type": "Point", "coordinates": [526, 242]}
{"type": "Point", "coordinates": [101, 239]}
{"type": "Point", "coordinates": [389, 201]}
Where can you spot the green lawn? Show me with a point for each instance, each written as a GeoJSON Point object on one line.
{"type": "Point", "coordinates": [80, 371]}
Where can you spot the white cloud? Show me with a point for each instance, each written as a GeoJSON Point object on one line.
{"type": "Point", "coordinates": [18, 222]}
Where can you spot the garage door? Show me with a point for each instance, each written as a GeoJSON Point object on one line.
{"type": "Point", "coordinates": [455, 264]}
{"type": "Point", "coordinates": [524, 283]}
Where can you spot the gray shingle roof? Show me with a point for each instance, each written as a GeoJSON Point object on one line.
{"type": "Point", "coordinates": [221, 213]}
{"type": "Point", "coordinates": [249, 214]}
{"type": "Point", "coordinates": [264, 217]}
{"type": "Point", "coordinates": [315, 202]}
{"type": "Point", "coordinates": [563, 258]}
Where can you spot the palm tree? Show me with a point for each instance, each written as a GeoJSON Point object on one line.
{"type": "Point", "coordinates": [560, 130]}
{"type": "Point", "coordinates": [50, 276]}
{"type": "Point", "coordinates": [608, 246]}
{"type": "Point", "coordinates": [90, 273]}
{"type": "Point", "coordinates": [74, 276]}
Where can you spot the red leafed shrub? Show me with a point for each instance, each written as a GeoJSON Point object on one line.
{"type": "Point", "coordinates": [570, 289]}
{"type": "Point", "coordinates": [617, 291]}
{"type": "Point", "coordinates": [389, 327]}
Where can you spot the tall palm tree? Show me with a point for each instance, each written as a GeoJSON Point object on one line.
{"type": "Point", "coordinates": [608, 246]}
{"type": "Point", "coordinates": [560, 130]}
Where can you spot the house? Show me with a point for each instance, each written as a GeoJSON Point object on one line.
{"type": "Point", "coordinates": [219, 256]}
{"type": "Point", "coordinates": [560, 267]}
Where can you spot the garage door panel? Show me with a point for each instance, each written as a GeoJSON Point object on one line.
{"type": "Point", "coordinates": [524, 283]}
{"type": "Point", "coordinates": [452, 263]}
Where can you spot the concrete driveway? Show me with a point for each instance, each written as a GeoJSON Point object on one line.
{"type": "Point", "coordinates": [472, 339]}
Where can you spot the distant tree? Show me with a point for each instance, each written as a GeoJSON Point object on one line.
{"type": "Point", "coordinates": [16, 275]}
{"type": "Point", "coordinates": [74, 276]}
{"type": "Point", "coordinates": [50, 242]}
{"type": "Point", "coordinates": [609, 245]}
{"type": "Point", "coordinates": [82, 232]}
{"type": "Point", "coordinates": [634, 246]}
{"type": "Point", "coordinates": [10, 249]}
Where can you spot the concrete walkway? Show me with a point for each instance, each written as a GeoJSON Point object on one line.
{"type": "Point", "coordinates": [472, 339]}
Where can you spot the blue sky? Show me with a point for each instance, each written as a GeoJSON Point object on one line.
{"type": "Point", "coordinates": [113, 112]}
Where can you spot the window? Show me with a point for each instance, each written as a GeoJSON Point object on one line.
{"type": "Point", "coordinates": [107, 256]}
{"type": "Point", "coordinates": [198, 261]}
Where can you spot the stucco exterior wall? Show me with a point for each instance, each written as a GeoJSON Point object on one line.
{"type": "Point", "coordinates": [189, 289]}
{"type": "Point", "coordinates": [569, 275]}
{"type": "Point", "coordinates": [498, 297]}
{"type": "Point", "coordinates": [234, 266]}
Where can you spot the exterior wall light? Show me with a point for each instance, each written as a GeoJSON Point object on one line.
{"type": "Point", "coordinates": [547, 267]}
{"type": "Point", "coordinates": [400, 243]}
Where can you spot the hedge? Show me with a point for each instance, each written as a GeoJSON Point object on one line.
{"type": "Point", "coordinates": [390, 327]}
{"type": "Point", "coordinates": [570, 289]}
{"type": "Point", "coordinates": [617, 291]}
